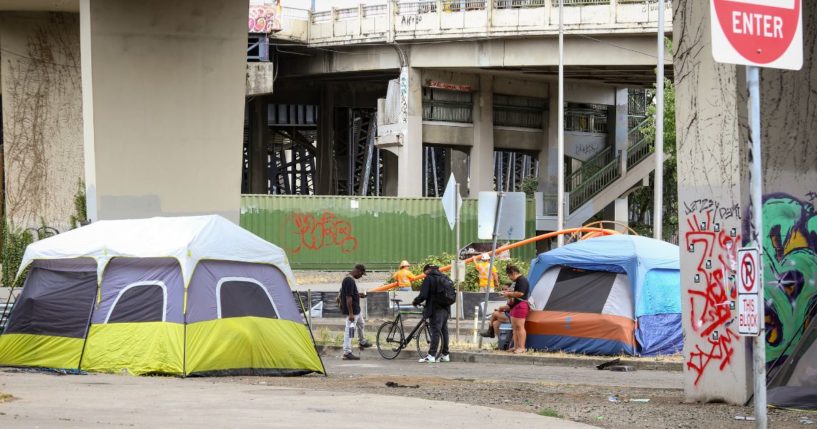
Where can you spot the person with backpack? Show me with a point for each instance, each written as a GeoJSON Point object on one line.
{"type": "Point", "coordinates": [437, 291]}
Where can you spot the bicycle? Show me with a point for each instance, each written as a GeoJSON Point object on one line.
{"type": "Point", "coordinates": [391, 337]}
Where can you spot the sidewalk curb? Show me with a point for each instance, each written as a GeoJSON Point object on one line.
{"type": "Point", "coordinates": [509, 359]}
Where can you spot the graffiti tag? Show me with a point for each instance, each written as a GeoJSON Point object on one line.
{"type": "Point", "coordinates": [318, 233]}
{"type": "Point", "coordinates": [411, 19]}
{"type": "Point", "coordinates": [719, 213]}
{"type": "Point", "coordinates": [713, 289]}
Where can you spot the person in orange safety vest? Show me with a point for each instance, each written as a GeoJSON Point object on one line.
{"type": "Point", "coordinates": [482, 270]}
{"type": "Point", "coordinates": [404, 277]}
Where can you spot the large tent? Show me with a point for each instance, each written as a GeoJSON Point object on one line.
{"type": "Point", "coordinates": [606, 296]}
{"type": "Point", "coordinates": [182, 295]}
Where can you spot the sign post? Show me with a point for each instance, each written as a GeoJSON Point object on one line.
{"type": "Point", "coordinates": [493, 224]}
{"type": "Point", "coordinates": [452, 202]}
{"type": "Point", "coordinates": [756, 33]}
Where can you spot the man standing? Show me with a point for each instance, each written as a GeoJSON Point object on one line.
{"type": "Point", "coordinates": [436, 314]}
{"type": "Point", "coordinates": [350, 307]}
{"type": "Point", "coordinates": [404, 277]}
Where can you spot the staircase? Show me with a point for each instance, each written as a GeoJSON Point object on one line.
{"type": "Point", "coordinates": [600, 181]}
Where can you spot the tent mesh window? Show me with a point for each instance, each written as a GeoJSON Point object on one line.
{"type": "Point", "coordinates": [141, 303]}
{"type": "Point", "coordinates": [580, 291]}
{"type": "Point", "coordinates": [243, 298]}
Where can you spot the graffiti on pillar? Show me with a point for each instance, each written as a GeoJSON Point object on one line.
{"type": "Point", "coordinates": [404, 90]}
{"type": "Point", "coordinates": [711, 292]}
{"type": "Point", "coordinates": [265, 18]}
{"type": "Point", "coordinates": [316, 233]}
{"type": "Point", "coordinates": [789, 271]}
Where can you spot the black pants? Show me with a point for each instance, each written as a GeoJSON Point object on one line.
{"type": "Point", "coordinates": [438, 323]}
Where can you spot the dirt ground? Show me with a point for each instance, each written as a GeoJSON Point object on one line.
{"type": "Point", "coordinates": [577, 402]}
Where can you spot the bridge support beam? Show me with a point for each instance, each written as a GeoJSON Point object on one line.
{"type": "Point", "coordinates": [714, 212]}
{"type": "Point", "coordinates": [162, 100]}
{"type": "Point", "coordinates": [42, 117]}
{"type": "Point", "coordinates": [410, 154]}
{"type": "Point", "coordinates": [482, 153]}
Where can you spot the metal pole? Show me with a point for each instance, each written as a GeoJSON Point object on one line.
{"type": "Point", "coordinates": [560, 123]}
{"type": "Point", "coordinates": [491, 266]}
{"type": "Point", "coordinates": [458, 307]}
{"type": "Point", "coordinates": [658, 185]}
{"type": "Point", "coordinates": [756, 198]}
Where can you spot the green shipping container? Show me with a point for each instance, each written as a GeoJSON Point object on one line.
{"type": "Point", "coordinates": [336, 232]}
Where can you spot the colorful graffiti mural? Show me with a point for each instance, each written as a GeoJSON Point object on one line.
{"type": "Point", "coordinates": [712, 291]}
{"type": "Point", "coordinates": [265, 18]}
{"type": "Point", "coordinates": [318, 233]}
{"type": "Point", "coordinates": [789, 270]}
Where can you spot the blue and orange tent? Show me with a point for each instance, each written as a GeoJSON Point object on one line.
{"type": "Point", "coordinates": [607, 296]}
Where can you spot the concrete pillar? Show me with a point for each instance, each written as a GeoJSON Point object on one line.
{"type": "Point", "coordinates": [42, 116]}
{"type": "Point", "coordinates": [621, 214]}
{"type": "Point", "coordinates": [548, 157]}
{"type": "Point", "coordinates": [258, 145]}
{"type": "Point", "coordinates": [389, 187]}
{"type": "Point", "coordinates": [459, 166]}
{"type": "Point", "coordinates": [482, 153]}
{"type": "Point", "coordinates": [410, 154]}
{"type": "Point", "coordinates": [620, 125]}
{"type": "Point", "coordinates": [711, 163]}
{"type": "Point", "coordinates": [326, 140]}
{"type": "Point", "coordinates": [163, 94]}
{"type": "Point", "coordinates": [789, 235]}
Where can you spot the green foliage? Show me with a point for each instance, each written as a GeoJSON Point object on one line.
{"type": "Point", "coordinates": [15, 241]}
{"type": "Point", "coordinates": [80, 208]}
{"type": "Point", "coordinates": [642, 200]}
{"type": "Point", "coordinates": [529, 185]}
{"type": "Point", "coordinates": [548, 412]}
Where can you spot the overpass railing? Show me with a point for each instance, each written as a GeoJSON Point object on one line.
{"type": "Point", "coordinates": [444, 19]}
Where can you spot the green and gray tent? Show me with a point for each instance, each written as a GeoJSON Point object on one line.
{"type": "Point", "coordinates": [182, 295]}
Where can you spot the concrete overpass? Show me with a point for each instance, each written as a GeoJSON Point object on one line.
{"type": "Point", "coordinates": [473, 93]}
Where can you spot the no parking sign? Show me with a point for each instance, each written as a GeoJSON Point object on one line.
{"type": "Point", "coordinates": [748, 288]}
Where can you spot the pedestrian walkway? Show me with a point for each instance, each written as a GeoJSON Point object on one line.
{"type": "Point", "coordinates": [98, 400]}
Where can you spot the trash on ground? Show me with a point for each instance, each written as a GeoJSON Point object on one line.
{"type": "Point", "coordinates": [613, 398]}
{"type": "Point", "coordinates": [806, 421]}
{"type": "Point", "coordinates": [395, 385]}
{"type": "Point", "coordinates": [622, 368]}
{"type": "Point", "coordinates": [749, 418]}
{"type": "Point", "coordinates": [608, 363]}
{"type": "Point", "coordinates": [642, 400]}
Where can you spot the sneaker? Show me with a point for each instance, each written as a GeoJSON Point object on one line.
{"type": "Point", "coordinates": [364, 344]}
{"type": "Point", "coordinates": [444, 358]}
{"type": "Point", "coordinates": [349, 356]}
{"type": "Point", "coordinates": [429, 359]}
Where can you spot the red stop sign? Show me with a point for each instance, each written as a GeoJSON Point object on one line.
{"type": "Point", "coordinates": [759, 30]}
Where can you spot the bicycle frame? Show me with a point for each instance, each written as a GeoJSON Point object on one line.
{"type": "Point", "coordinates": [405, 340]}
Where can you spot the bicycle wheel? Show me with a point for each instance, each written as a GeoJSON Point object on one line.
{"type": "Point", "coordinates": [423, 341]}
{"type": "Point", "coordinates": [389, 340]}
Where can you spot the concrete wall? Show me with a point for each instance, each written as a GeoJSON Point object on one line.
{"type": "Point", "coordinates": [789, 146]}
{"type": "Point", "coordinates": [718, 366]}
{"type": "Point", "coordinates": [163, 91]}
{"type": "Point", "coordinates": [715, 217]}
{"type": "Point", "coordinates": [42, 116]}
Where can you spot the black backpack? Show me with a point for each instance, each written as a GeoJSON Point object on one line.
{"type": "Point", "coordinates": [446, 295]}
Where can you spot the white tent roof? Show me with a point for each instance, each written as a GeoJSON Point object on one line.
{"type": "Point", "coordinates": [188, 239]}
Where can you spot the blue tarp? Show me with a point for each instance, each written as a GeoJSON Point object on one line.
{"type": "Point", "coordinates": [652, 267]}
